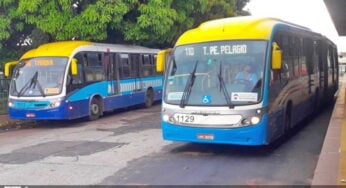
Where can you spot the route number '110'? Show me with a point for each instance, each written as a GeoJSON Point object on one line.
{"type": "Point", "coordinates": [189, 51]}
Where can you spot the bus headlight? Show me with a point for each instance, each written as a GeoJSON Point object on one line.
{"type": "Point", "coordinates": [10, 103]}
{"type": "Point", "coordinates": [165, 117]}
{"type": "Point", "coordinates": [255, 120]}
{"type": "Point", "coordinates": [55, 103]}
{"type": "Point", "coordinates": [251, 120]}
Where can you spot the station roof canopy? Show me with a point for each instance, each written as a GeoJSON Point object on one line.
{"type": "Point", "coordinates": [337, 11]}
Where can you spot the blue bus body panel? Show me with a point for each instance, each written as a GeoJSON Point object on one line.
{"type": "Point", "coordinates": [76, 104]}
{"type": "Point", "coordinates": [70, 110]}
{"type": "Point", "coordinates": [251, 135]}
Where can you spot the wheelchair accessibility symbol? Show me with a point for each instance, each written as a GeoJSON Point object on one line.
{"type": "Point", "coordinates": [206, 99]}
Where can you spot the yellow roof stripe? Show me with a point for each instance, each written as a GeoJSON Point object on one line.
{"type": "Point", "coordinates": [64, 49]}
{"type": "Point", "coordinates": [245, 27]}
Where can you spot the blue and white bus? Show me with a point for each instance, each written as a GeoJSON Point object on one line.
{"type": "Point", "coordinates": [244, 80]}
{"type": "Point", "coordinates": [74, 79]}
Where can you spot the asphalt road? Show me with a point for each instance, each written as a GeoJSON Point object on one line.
{"type": "Point", "coordinates": [125, 147]}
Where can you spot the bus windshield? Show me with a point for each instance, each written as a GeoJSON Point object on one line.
{"type": "Point", "coordinates": [222, 73]}
{"type": "Point", "coordinates": [41, 76]}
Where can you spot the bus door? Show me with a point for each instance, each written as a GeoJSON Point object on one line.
{"type": "Point", "coordinates": [112, 74]}
{"type": "Point", "coordinates": [322, 67]}
{"type": "Point", "coordinates": [135, 66]}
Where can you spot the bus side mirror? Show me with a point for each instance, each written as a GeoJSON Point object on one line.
{"type": "Point", "coordinates": [74, 67]}
{"type": "Point", "coordinates": [162, 59]}
{"type": "Point", "coordinates": [9, 67]}
{"type": "Point", "coordinates": [276, 57]}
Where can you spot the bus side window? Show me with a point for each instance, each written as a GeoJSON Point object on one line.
{"type": "Point", "coordinates": [124, 67]}
{"type": "Point", "coordinates": [94, 59]}
{"type": "Point", "coordinates": [147, 65]}
{"type": "Point", "coordinates": [94, 70]}
{"type": "Point", "coordinates": [135, 63]}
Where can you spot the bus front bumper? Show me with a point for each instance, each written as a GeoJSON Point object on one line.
{"type": "Point", "coordinates": [249, 135]}
{"type": "Point", "coordinates": [65, 111]}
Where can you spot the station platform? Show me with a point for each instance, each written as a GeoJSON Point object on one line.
{"type": "Point", "coordinates": [331, 165]}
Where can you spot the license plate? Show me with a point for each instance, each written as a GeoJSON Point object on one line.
{"type": "Point", "coordinates": [205, 136]}
{"type": "Point", "coordinates": [30, 115]}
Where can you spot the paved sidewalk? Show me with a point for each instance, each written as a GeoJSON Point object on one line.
{"type": "Point", "coordinates": [331, 166]}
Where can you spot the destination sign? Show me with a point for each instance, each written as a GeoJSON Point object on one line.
{"type": "Point", "coordinates": [41, 62]}
{"type": "Point", "coordinates": [44, 62]}
{"type": "Point", "coordinates": [215, 50]}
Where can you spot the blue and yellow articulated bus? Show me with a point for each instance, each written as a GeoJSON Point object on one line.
{"type": "Point", "coordinates": [244, 80]}
{"type": "Point", "coordinates": [74, 79]}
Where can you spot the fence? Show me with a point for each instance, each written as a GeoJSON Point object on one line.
{"type": "Point", "coordinates": [4, 86]}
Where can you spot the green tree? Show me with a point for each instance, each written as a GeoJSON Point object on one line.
{"type": "Point", "coordinates": [158, 22]}
{"type": "Point", "coordinates": [25, 24]}
{"type": "Point", "coordinates": [67, 19]}
{"type": "Point", "coordinates": [10, 28]}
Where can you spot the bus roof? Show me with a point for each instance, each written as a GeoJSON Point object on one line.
{"type": "Point", "coordinates": [234, 28]}
{"type": "Point", "coordinates": [66, 48]}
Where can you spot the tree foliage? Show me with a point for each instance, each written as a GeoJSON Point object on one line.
{"type": "Point", "coordinates": [25, 24]}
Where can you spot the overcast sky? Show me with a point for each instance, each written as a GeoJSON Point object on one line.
{"type": "Point", "coordinates": [308, 13]}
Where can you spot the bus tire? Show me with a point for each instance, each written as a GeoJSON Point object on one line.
{"type": "Point", "coordinates": [149, 98]}
{"type": "Point", "coordinates": [94, 109]}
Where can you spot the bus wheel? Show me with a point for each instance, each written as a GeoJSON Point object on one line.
{"type": "Point", "coordinates": [95, 109]}
{"type": "Point", "coordinates": [149, 98]}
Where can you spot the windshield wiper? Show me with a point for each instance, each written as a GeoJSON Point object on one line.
{"type": "Point", "coordinates": [188, 86]}
{"type": "Point", "coordinates": [32, 83]}
{"type": "Point", "coordinates": [174, 67]}
{"type": "Point", "coordinates": [223, 87]}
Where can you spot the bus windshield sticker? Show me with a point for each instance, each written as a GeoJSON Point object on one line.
{"type": "Point", "coordinates": [244, 96]}
{"type": "Point", "coordinates": [206, 99]}
{"type": "Point", "coordinates": [175, 95]}
{"type": "Point", "coordinates": [50, 91]}
{"type": "Point", "coordinates": [171, 80]}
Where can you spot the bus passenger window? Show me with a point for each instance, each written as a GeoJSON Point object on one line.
{"type": "Point", "coordinates": [135, 63]}
{"type": "Point", "coordinates": [94, 59]}
{"type": "Point", "coordinates": [124, 66]}
{"type": "Point", "coordinates": [147, 66]}
{"type": "Point", "coordinates": [94, 70]}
